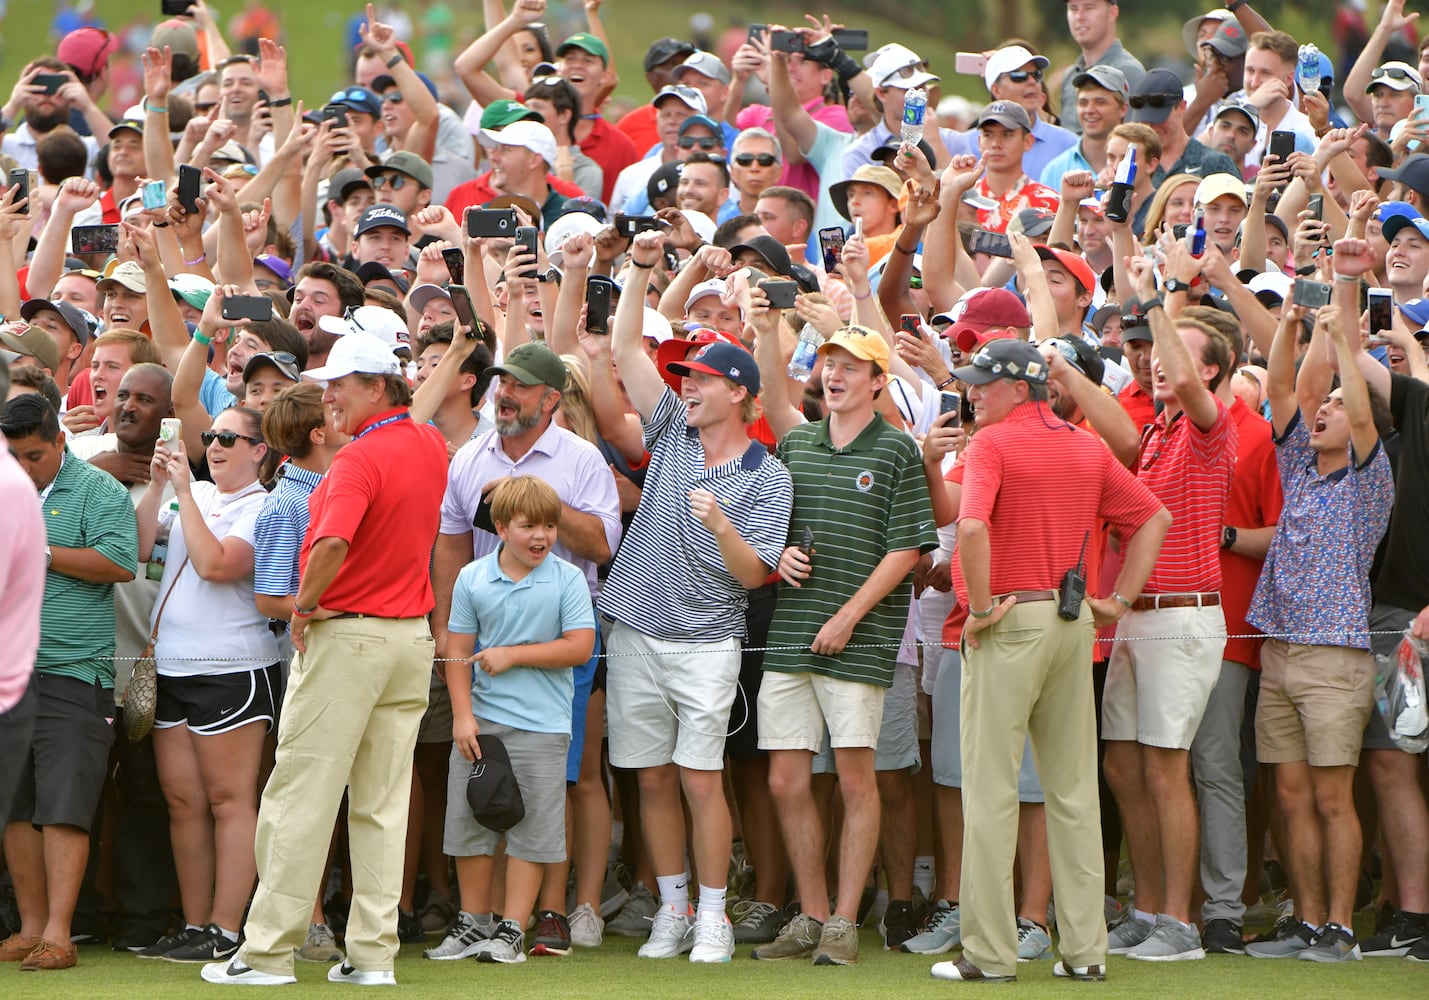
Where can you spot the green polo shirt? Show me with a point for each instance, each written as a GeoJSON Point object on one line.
{"type": "Point", "coordinates": [86, 509]}
{"type": "Point", "coordinates": [861, 502]}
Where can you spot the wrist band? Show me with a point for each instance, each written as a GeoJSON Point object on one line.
{"type": "Point", "coordinates": [303, 612]}
{"type": "Point", "coordinates": [202, 338]}
{"type": "Point", "coordinates": [1347, 278]}
{"type": "Point", "coordinates": [197, 260]}
{"type": "Point", "coordinates": [160, 225]}
{"type": "Point", "coordinates": [946, 382]}
{"type": "Point", "coordinates": [281, 102]}
{"type": "Point", "coordinates": [157, 110]}
{"type": "Point", "coordinates": [397, 56]}
{"type": "Point", "coordinates": [1236, 5]}
{"type": "Point", "coordinates": [910, 253]}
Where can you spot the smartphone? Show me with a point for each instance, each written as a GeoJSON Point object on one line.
{"type": "Point", "coordinates": [1281, 145]}
{"type": "Point", "coordinates": [1310, 294]}
{"type": "Point", "coordinates": [155, 195]}
{"type": "Point", "coordinates": [263, 97]}
{"type": "Point", "coordinates": [190, 182]}
{"type": "Point", "coordinates": [526, 237]}
{"type": "Point", "coordinates": [971, 63]}
{"type": "Point", "coordinates": [171, 429]}
{"type": "Point", "coordinates": [20, 177]}
{"type": "Point", "coordinates": [52, 82]}
{"type": "Point", "coordinates": [806, 541]}
{"type": "Point", "coordinates": [1381, 311]}
{"type": "Point", "coordinates": [335, 113]}
{"type": "Point", "coordinates": [1317, 207]}
{"type": "Point", "coordinates": [851, 39]}
{"type": "Point", "coordinates": [781, 293]}
{"type": "Point", "coordinates": [1179, 230]}
{"type": "Point", "coordinates": [831, 243]}
{"type": "Point", "coordinates": [461, 304]}
{"type": "Point", "coordinates": [94, 239]}
{"type": "Point", "coordinates": [174, 8]}
{"type": "Point", "coordinates": [786, 41]}
{"type": "Point", "coordinates": [482, 518]}
{"type": "Point", "coordinates": [456, 264]}
{"type": "Point", "coordinates": [258, 307]}
{"type": "Point", "coordinates": [911, 323]}
{"type": "Point", "coordinates": [598, 289]}
{"type": "Point", "coordinates": [994, 244]}
{"type": "Point", "coordinates": [490, 222]}
{"type": "Point", "coordinates": [951, 402]}
{"type": "Point", "coordinates": [1421, 102]}
{"type": "Point", "coordinates": [629, 225]}
{"type": "Point", "coordinates": [756, 32]}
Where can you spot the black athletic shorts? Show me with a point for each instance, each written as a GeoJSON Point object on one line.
{"type": "Point", "coordinates": [63, 773]}
{"type": "Point", "coordinates": [212, 704]}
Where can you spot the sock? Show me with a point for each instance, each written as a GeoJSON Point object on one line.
{"type": "Point", "coordinates": [480, 919]}
{"type": "Point", "coordinates": [193, 927]}
{"type": "Point", "coordinates": [923, 874]}
{"type": "Point", "coordinates": [674, 890]}
{"type": "Point", "coordinates": [712, 899]}
{"type": "Point", "coordinates": [231, 936]}
{"type": "Point", "coordinates": [1145, 917]}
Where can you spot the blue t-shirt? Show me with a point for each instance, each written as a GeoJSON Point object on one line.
{"type": "Point", "coordinates": [214, 394]}
{"type": "Point", "coordinates": [548, 602]}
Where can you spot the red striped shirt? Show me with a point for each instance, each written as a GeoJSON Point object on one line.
{"type": "Point", "coordinates": [1189, 470]}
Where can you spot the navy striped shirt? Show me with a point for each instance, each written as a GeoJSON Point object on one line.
{"type": "Point", "coordinates": [278, 537]}
{"type": "Point", "coordinates": [669, 579]}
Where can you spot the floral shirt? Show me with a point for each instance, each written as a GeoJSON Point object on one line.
{"type": "Point", "coordinates": [1026, 193]}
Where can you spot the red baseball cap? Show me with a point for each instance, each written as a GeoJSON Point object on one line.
{"type": "Point", "coordinates": [1074, 263]}
{"type": "Point", "coordinates": [87, 50]}
{"type": "Point", "coordinates": [672, 351]}
{"type": "Point", "coordinates": [988, 314]}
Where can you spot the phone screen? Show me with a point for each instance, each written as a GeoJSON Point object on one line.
{"type": "Point", "coordinates": [1381, 312]}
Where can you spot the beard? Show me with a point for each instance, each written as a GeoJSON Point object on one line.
{"type": "Point", "coordinates": [43, 122]}
{"type": "Point", "coordinates": [519, 424]}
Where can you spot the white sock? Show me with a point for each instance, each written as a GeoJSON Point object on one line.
{"type": "Point", "coordinates": [924, 874]}
{"type": "Point", "coordinates": [712, 899]}
{"type": "Point", "coordinates": [674, 890]}
{"type": "Point", "coordinates": [230, 935]}
{"type": "Point", "coordinates": [1145, 917]}
{"type": "Point", "coordinates": [193, 927]}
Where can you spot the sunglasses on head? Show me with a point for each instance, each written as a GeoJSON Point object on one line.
{"type": "Point", "coordinates": [1393, 72]}
{"type": "Point", "coordinates": [1069, 355]}
{"type": "Point", "coordinates": [763, 159]}
{"type": "Point", "coordinates": [1154, 101]}
{"type": "Point", "coordinates": [356, 94]}
{"type": "Point", "coordinates": [1023, 75]}
{"type": "Point", "coordinates": [392, 97]}
{"type": "Point", "coordinates": [227, 439]}
{"type": "Point", "coordinates": [395, 181]}
{"type": "Point", "coordinates": [705, 142]}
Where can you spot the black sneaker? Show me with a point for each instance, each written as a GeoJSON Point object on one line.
{"type": "Point", "coordinates": [169, 942]}
{"type": "Point", "coordinates": [409, 928]}
{"type": "Point", "coordinates": [1335, 944]}
{"type": "Point", "coordinates": [1223, 937]}
{"type": "Point", "coordinates": [1403, 932]}
{"type": "Point", "coordinates": [209, 945]}
{"type": "Point", "coordinates": [1420, 952]}
{"type": "Point", "coordinates": [138, 931]}
{"type": "Point", "coordinates": [899, 923]}
{"type": "Point", "coordinates": [553, 934]}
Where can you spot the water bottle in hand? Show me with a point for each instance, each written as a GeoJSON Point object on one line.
{"type": "Point", "coordinates": [806, 351]}
{"type": "Point", "coordinates": [1118, 203]}
{"type": "Point", "coordinates": [915, 107]}
{"type": "Point", "coordinates": [1307, 69]}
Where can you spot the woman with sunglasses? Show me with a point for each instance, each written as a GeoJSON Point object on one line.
{"type": "Point", "coordinates": [218, 675]}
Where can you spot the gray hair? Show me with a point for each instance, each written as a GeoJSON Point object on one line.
{"type": "Point", "coordinates": [758, 133]}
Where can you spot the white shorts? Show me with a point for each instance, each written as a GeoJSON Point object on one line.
{"type": "Point", "coordinates": [806, 711]}
{"type": "Point", "coordinates": [1157, 689]}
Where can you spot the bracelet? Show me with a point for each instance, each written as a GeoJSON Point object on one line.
{"type": "Point", "coordinates": [1129, 605]}
{"type": "Point", "coordinates": [1347, 278]}
{"type": "Point", "coordinates": [299, 612]}
{"type": "Point", "coordinates": [1150, 304]}
{"type": "Point", "coordinates": [397, 56]}
{"type": "Point", "coordinates": [202, 338]}
{"type": "Point", "coordinates": [983, 614]}
{"type": "Point", "coordinates": [157, 110]}
{"type": "Point", "coordinates": [644, 267]}
{"type": "Point", "coordinates": [863, 298]}
{"type": "Point", "coordinates": [160, 225]}
{"type": "Point", "coordinates": [1236, 5]}
{"type": "Point", "coordinates": [946, 382]}
{"type": "Point", "coordinates": [281, 102]}
{"type": "Point", "coordinates": [197, 260]}
{"type": "Point", "coordinates": [910, 253]}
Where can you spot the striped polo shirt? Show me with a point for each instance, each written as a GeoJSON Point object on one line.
{"type": "Point", "coordinates": [861, 502]}
{"type": "Point", "coordinates": [278, 536]}
{"type": "Point", "coordinates": [669, 579]}
{"type": "Point", "coordinates": [85, 508]}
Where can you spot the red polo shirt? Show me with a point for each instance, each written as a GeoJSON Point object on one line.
{"type": "Point", "coordinates": [479, 191]}
{"type": "Point", "coordinates": [383, 496]}
{"type": "Point", "coordinates": [1139, 406]}
{"type": "Point", "coordinates": [1254, 502]}
{"type": "Point", "coordinates": [638, 125]}
{"type": "Point", "coordinates": [612, 149]}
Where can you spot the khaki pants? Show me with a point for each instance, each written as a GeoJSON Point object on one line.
{"type": "Point", "coordinates": [1032, 675]}
{"type": "Point", "coordinates": [349, 720]}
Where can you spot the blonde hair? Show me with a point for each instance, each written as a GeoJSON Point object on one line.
{"type": "Point", "coordinates": [525, 496]}
{"type": "Point", "coordinates": [1157, 212]}
{"type": "Point", "coordinates": [292, 416]}
{"type": "Point", "coordinates": [575, 399]}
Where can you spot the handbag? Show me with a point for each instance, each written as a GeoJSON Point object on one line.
{"type": "Point", "coordinates": [141, 697]}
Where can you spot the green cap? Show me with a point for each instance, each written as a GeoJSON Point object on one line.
{"type": "Point", "coordinates": [584, 40]}
{"type": "Point", "coordinates": [533, 363]}
{"type": "Point", "coordinates": [500, 113]}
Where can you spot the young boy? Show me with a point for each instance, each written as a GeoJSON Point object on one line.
{"type": "Point", "coordinates": [531, 612]}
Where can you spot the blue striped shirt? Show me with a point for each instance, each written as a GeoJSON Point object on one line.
{"type": "Point", "coordinates": [669, 579]}
{"type": "Point", "coordinates": [282, 523]}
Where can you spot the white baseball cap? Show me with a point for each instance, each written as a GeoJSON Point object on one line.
{"type": "Point", "coordinates": [354, 353]}
{"type": "Point", "coordinates": [898, 67]}
{"type": "Point", "coordinates": [714, 286]}
{"type": "Point", "coordinates": [534, 136]}
{"type": "Point", "coordinates": [656, 327]}
{"type": "Point", "coordinates": [375, 321]}
{"type": "Point", "coordinates": [1008, 59]}
{"type": "Point", "coordinates": [569, 225]}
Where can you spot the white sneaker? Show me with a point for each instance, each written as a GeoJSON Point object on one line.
{"type": "Point", "coordinates": [587, 929]}
{"type": "Point", "coordinates": [344, 973]}
{"type": "Point", "coordinates": [714, 938]}
{"type": "Point", "coordinates": [235, 973]}
{"type": "Point", "coordinates": [669, 933]}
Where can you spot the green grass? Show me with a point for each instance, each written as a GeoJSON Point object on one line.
{"type": "Point", "coordinates": [615, 972]}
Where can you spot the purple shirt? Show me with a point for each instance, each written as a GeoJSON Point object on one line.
{"type": "Point", "coordinates": [22, 577]}
{"type": "Point", "coordinates": [1314, 589]}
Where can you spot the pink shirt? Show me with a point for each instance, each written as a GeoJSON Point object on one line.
{"type": "Point", "coordinates": [22, 577]}
{"type": "Point", "coordinates": [801, 175]}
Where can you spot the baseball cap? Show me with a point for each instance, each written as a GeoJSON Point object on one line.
{"type": "Point", "coordinates": [382, 214]}
{"type": "Point", "coordinates": [35, 343]}
{"type": "Point", "coordinates": [1155, 96]}
{"type": "Point", "coordinates": [706, 121]}
{"type": "Point", "coordinates": [1074, 263]}
{"type": "Point", "coordinates": [424, 293]}
{"type": "Point", "coordinates": [880, 177]}
{"type": "Point", "coordinates": [1106, 77]}
{"type": "Point", "coordinates": [1388, 208]}
{"type": "Point", "coordinates": [74, 317]}
{"type": "Point", "coordinates": [1214, 186]}
{"type": "Point", "coordinates": [1396, 223]}
{"type": "Point", "coordinates": [286, 364]}
{"type": "Point", "coordinates": [587, 205]}
{"type": "Point", "coordinates": [1015, 359]}
{"type": "Point", "coordinates": [372, 271]}
{"type": "Point", "coordinates": [900, 68]}
{"type": "Point", "coordinates": [888, 151]}
{"type": "Point", "coordinates": [533, 363]}
{"type": "Point", "coordinates": [1192, 28]}
{"type": "Point", "coordinates": [129, 274]}
{"type": "Point", "coordinates": [663, 50]}
{"type": "Point", "coordinates": [654, 326]}
{"type": "Point", "coordinates": [532, 135]}
{"type": "Point", "coordinates": [194, 289]}
{"type": "Point", "coordinates": [861, 342]}
{"type": "Point", "coordinates": [770, 250]}
{"type": "Point", "coordinates": [527, 205]}
{"type": "Point", "coordinates": [664, 180]}
{"type": "Point", "coordinates": [358, 99]}
{"type": "Point", "coordinates": [567, 226]}
{"type": "Point", "coordinates": [377, 322]}
{"type": "Point", "coordinates": [1134, 324]}
{"type": "Point", "coordinates": [687, 95]}
{"type": "Point", "coordinates": [706, 64]}
{"type": "Point", "coordinates": [1081, 356]}
{"type": "Point", "coordinates": [1229, 40]}
{"type": "Point", "coordinates": [1413, 172]}
{"type": "Point", "coordinates": [1251, 112]}
{"type": "Point", "coordinates": [492, 794]}
{"type": "Point", "coordinates": [502, 112]}
{"type": "Point", "coordinates": [1005, 60]}
{"type": "Point", "coordinates": [180, 36]}
{"type": "Point", "coordinates": [385, 81]}
{"type": "Point", "coordinates": [405, 162]}
{"type": "Point", "coordinates": [1270, 284]}
{"type": "Point", "coordinates": [1008, 114]}
{"type": "Point", "coordinates": [1278, 223]}
{"type": "Point", "coordinates": [1032, 222]}
{"type": "Point", "coordinates": [1416, 311]}
{"type": "Point", "coordinates": [346, 181]}
{"type": "Point", "coordinates": [280, 267]}
{"type": "Point", "coordinates": [713, 286]}
{"type": "Point", "coordinates": [1396, 76]}
{"type": "Point", "coordinates": [87, 49]}
{"type": "Point", "coordinates": [587, 42]}
{"type": "Point", "coordinates": [986, 309]}
{"type": "Point", "coordinates": [724, 359]}
{"type": "Point", "coordinates": [673, 350]}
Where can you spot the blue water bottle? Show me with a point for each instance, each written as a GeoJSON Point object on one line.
{"type": "Point", "coordinates": [915, 107]}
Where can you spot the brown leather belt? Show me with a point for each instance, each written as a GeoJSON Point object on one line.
{"type": "Point", "coordinates": [348, 614]}
{"type": "Point", "coordinates": [1028, 596]}
{"type": "Point", "coordinates": [1155, 602]}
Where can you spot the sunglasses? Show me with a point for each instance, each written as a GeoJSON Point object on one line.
{"type": "Point", "coordinates": [1069, 355]}
{"type": "Point", "coordinates": [1154, 101]}
{"type": "Point", "coordinates": [355, 94]}
{"type": "Point", "coordinates": [395, 181]}
{"type": "Point", "coordinates": [205, 107]}
{"type": "Point", "coordinates": [392, 97]}
{"type": "Point", "coordinates": [227, 439]}
{"type": "Point", "coordinates": [1023, 75]}
{"type": "Point", "coordinates": [763, 159]}
{"type": "Point", "coordinates": [1393, 72]}
{"type": "Point", "coordinates": [705, 142]}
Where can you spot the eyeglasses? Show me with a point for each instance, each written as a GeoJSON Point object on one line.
{"type": "Point", "coordinates": [1154, 101]}
{"type": "Point", "coordinates": [705, 142]}
{"type": "Point", "coordinates": [1023, 75]}
{"type": "Point", "coordinates": [284, 357]}
{"type": "Point", "coordinates": [1393, 72]}
{"type": "Point", "coordinates": [227, 439]}
{"type": "Point", "coordinates": [395, 181]}
{"type": "Point", "coordinates": [392, 97]}
{"type": "Point", "coordinates": [763, 159]}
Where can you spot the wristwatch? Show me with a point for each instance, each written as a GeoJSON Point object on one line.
{"type": "Point", "coordinates": [1228, 537]}
{"type": "Point", "coordinates": [1176, 285]}
{"type": "Point", "coordinates": [49, 557]}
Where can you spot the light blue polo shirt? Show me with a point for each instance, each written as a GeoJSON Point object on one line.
{"type": "Point", "coordinates": [548, 602]}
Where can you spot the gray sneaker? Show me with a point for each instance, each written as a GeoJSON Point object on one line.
{"type": "Point", "coordinates": [466, 938]}
{"type": "Point", "coordinates": [1335, 944]}
{"type": "Point", "coordinates": [797, 939]}
{"type": "Point", "coordinates": [1169, 941]}
{"type": "Point", "coordinates": [941, 931]}
{"type": "Point", "coordinates": [1289, 938]}
{"type": "Point", "coordinates": [755, 922]}
{"type": "Point", "coordinates": [507, 945]}
{"type": "Point", "coordinates": [320, 946]}
{"type": "Point", "coordinates": [1127, 933]}
{"type": "Point", "coordinates": [1033, 941]}
{"type": "Point", "coordinates": [838, 944]}
{"type": "Point", "coordinates": [635, 916]}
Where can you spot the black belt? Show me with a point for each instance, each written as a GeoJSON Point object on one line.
{"type": "Point", "coordinates": [1028, 596]}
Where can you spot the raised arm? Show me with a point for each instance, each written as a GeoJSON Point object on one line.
{"type": "Point", "coordinates": [48, 261]}
{"type": "Point", "coordinates": [1280, 386]}
{"type": "Point", "coordinates": [1182, 371]}
{"type": "Point", "coordinates": [470, 64]}
{"type": "Point", "coordinates": [780, 409]}
{"type": "Point", "coordinates": [422, 138]}
{"type": "Point", "coordinates": [1034, 284]}
{"type": "Point", "coordinates": [1392, 20]}
{"type": "Point", "coordinates": [1353, 261]}
{"type": "Point", "coordinates": [796, 127]}
{"type": "Point", "coordinates": [642, 380]}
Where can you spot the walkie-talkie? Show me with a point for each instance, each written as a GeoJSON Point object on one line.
{"type": "Point", "coordinates": [1074, 587]}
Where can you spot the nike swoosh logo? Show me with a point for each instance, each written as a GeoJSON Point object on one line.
{"type": "Point", "coordinates": [1396, 941]}
{"type": "Point", "coordinates": [234, 969]}
{"type": "Point", "coordinates": [225, 711]}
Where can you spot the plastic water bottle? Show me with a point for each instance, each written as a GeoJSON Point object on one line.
{"type": "Point", "coordinates": [1118, 202]}
{"type": "Point", "coordinates": [1307, 69]}
{"type": "Point", "coordinates": [915, 107]}
{"type": "Point", "coordinates": [806, 352]}
{"type": "Point", "coordinates": [160, 553]}
{"type": "Point", "coordinates": [1196, 235]}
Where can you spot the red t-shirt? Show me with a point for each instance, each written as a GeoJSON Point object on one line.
{"type": "Point", "coordinates": [612, 149]}
{"type": "Point", "coordinates": [479, 191]}
{"type": "Point", "coordinates": [1139, 406]}
{"type": "Point", "coordinates": [1189, 470]}
{"type": "Point", "coordinates": [1254, 502]}
{"type": "Point", "coordinates": [383, 495]}
{"type": "Point", "coordinates": [638, 125]}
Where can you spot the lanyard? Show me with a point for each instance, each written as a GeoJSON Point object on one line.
{"type": "Point", "coordinates": [381, 423]}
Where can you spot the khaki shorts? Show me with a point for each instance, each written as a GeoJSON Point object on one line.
{"type": "Point", "coordinates": [436, 724]}
{"type": "Point", "coordinates": [1314, 703]}
{"type": "Point", "coordinates": [798, 711]}
{"type": "Point", "coordinates": [1157, 689]}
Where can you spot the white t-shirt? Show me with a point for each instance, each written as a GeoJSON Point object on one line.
{"type": "Point", "coordinates": [211, 628]}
